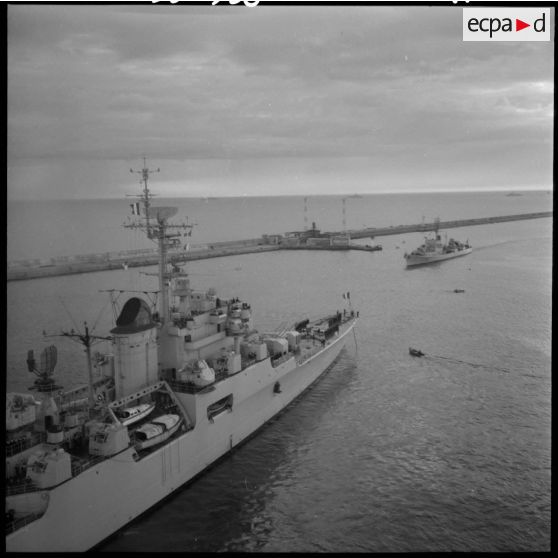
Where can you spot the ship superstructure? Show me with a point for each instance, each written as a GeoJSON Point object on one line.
{"type": "Point", "coordinates": [184, 384]}
{"type": "Point", "coordinates": [434, 250]}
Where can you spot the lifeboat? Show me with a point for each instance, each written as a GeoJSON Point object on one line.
{"type": "Point", "coordinates": [134, 414]}
{"type": "Point", "coordinates": [156, 431]}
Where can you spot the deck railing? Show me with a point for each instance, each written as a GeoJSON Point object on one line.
{"type": "Point", "coordinates": [16, 446]}
{"type": "Point", "coordinates": [79, 466]}
{"type": "Point", "coordinates": [24, 487]}
{"type": "Point", "coordinates": [12, 525]}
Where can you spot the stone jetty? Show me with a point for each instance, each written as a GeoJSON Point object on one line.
{"type": "Point", "coordinates": [37, 268]}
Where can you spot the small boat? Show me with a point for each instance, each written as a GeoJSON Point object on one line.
{"type": "Point", "coordinates": [415, 352]}
{"type": "Point", "coordinates": [156, 431]}
{"type": "Point", "coordinates": [219, 407]}
{"type": "Point", "coordinates": [133, 414]}
{"type": "Point", "coordinates": [458, 290]}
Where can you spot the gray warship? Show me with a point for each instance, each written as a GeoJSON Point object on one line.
{"type": "Point", "coordinates": [183, 384]}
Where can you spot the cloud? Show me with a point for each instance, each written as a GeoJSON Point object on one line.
{"type": "Point", "coordinates": [383, 83]}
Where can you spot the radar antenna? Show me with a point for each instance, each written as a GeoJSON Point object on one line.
{"type": "Point", "coordinates": [49, 357]}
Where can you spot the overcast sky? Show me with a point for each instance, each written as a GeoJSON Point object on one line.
{"type": "Point", "coordinates": [229, 100]}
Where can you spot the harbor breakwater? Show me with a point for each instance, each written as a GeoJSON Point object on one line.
{"type": "Point", "coordinates": [426, 227]}
{"type": "Point", "coordinates": [69, 265]}
{"type": "Point", "coordinates": [37, 268]}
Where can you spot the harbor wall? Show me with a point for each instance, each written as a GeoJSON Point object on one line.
{"type": "Point", "coordinates": [426, 227]}
{"type": "Point", "coordinates": [86, 263]}
{"type": "Point", "coordinates": [67, 265]}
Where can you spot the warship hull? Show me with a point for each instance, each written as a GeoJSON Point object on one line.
{"type": "Point", "coordinates": [83, 511]}
{"type": "Point", "coordinates": [414, 259]}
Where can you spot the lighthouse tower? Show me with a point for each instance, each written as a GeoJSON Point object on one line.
{"type": "Point", "coordinates": [135, 348]}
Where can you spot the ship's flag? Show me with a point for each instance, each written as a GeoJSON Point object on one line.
{"type": "Point", "coordinates": [348, 295]}
{"type": "Point", "coordinates": [135, 208]}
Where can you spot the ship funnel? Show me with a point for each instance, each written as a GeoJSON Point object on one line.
{"type": "Point", "coordinates": [135, 348]}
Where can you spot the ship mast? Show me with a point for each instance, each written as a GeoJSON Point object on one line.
{"type": "Point", "coordinates": [146, 195]}
{"type": "Point", "coordinates": [157, 228]}
{"type": "Point", "coordinates": [87, 340]}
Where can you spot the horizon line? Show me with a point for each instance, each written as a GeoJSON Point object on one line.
{"type": "Point", "coordinates": [348, 195]}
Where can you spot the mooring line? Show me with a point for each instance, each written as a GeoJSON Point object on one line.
{"type": "Point", "coordinates": [473, 364]}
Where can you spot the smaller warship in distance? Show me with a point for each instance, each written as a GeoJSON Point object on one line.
{"type": "Point", "coordinates": [434, 250]}
{"type": "Point", "coordinates": [186, 380]}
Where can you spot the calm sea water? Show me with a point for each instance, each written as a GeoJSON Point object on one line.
{"type": "Point", "coordinates": [387, 452]}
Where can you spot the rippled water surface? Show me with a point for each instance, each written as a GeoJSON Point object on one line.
{"type": "Point", "coordinates": [450, 452]}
